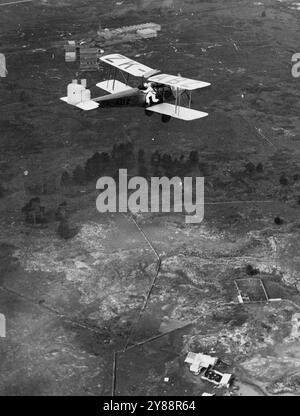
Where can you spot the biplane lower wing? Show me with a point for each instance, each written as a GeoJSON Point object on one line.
{"type": "Point", "coordinates": [182, 113]}
{"type": "Point", "coordinates": [113, 86]}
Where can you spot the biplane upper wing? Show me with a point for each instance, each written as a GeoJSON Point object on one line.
{"type": "Point", "coordinates": [127, 65]}
{"type": "Point", "coordinates": [178, 82]}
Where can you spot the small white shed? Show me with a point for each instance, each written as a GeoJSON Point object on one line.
{"type": "Point", "coordinates": [2, 326]}
{"type": "Point", "coordinates": [3, 70]}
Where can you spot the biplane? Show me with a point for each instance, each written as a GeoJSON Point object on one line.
{"type": "Point", "coordinates": [157, 93]}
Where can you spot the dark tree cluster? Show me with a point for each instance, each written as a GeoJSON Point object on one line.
{"type": "Point", "coordinates": [296, 177]}
{"type": "Point", "coordinates": [165, 165]}
{"type": "Point", "coordinates": [259, 168]}
{"type": "Point", "coordinates": [65, 229]}
{"type": "Point", "coordinates": [250, 168]}
{"type": "Point", "coordinates": [283, 180]}
{"type": "Point", "coordinates": [65, 179]}
{"type": "Point", "coordinates": [142, 164]}
{"type": "Point", "coordinates": [123, 156]}
{"type": "Point", "coordinates": [278, 221]}
{"type": "Point", "coordinates": [62, 212]}
{"type": "Point", "coordinates": [34, 212]}
{"type": "Point", "coordinates": [97, 165]}
{"type": "Point", "coordinates": [79, 177]}
{"type": "Point", "coordinates": [251, 271]}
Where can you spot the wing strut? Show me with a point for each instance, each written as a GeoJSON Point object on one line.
{"type": "Point", "coordinates": [125, 79]}
{"type": "Point", "coordinates": [177, 100]}
{"type": "Point", "coordinates": [108, 78]}
{"type": "Point", "coordinates": [115, 74]}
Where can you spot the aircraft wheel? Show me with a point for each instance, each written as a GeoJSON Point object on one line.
{"type": "Point", "coordinates": [148, 113]}
{"type": "Point", "coordinates": [165, 118]}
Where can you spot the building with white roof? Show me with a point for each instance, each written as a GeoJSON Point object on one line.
{"type": "Point", "coordinates": [199, 361]}
{"type": "Point", "coordinates": [2, 326]}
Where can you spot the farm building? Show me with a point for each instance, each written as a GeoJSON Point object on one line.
{"type": "Point", "coordinates": [89, 58]}
{"type": "Point", "coordinates": [199, 362]}
{"type": "Point", "coordinates": [2, 326]}
{"type": "Point", "coordinates": [70, 51]}
{"type": "Point", "coordinates": [216, 377]}
{"type": "Point", "coordinates": [130, 33]}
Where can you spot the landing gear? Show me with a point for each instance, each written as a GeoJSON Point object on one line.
{"type": "Point", "coordinates": [165, 118]}
{"type": "Point", "coordinates": [148, 113]}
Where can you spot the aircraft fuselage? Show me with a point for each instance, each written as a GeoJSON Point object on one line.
{"type": "Point", "coordinates": [136, 97]}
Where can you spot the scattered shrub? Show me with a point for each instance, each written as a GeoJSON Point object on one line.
{"type": "Point", "coordinates": [66, 231]}
{"type": "Point", "coordinates": [283, 180]}
{"type": "Point", "coordinates": [65, 179]}
{"type": "Point", "coordinates": [278, 221]}
{"type": "Point", "coordinates": [79, 176]}
{"type": "Point", "coordinates": [259, 168]}
{"type": "Point", "coordinates": [251, 271]}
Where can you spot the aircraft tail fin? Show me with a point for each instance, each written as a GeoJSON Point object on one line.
{"type": "Point", "coordinates": [79, 96]}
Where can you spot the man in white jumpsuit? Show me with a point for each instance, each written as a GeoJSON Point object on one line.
{"type": "Point", "coordinates": [150, 93]}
